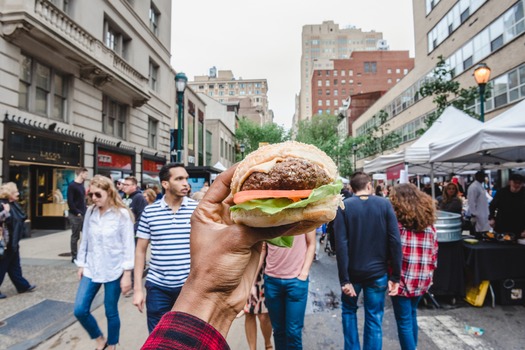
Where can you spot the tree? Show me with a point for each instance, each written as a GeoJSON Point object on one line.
{"type": "Point", "coordinates": [447, 92]}
{"type": "Point", "coordinates": [251, 134]}
{"type": "Point", "coordinates": [321, 131]}
{"type": "Point", "coordinates": [377, 138]}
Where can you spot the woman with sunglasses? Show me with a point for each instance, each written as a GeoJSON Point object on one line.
{"type": "Point", "coordinates": [106, 257]}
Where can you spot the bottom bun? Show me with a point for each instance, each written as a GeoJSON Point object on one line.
{"type": "Point", "coordinates": [322, 211]}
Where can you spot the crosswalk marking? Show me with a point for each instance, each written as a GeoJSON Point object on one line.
{"type": "Point", "coordinates": [448, 334]}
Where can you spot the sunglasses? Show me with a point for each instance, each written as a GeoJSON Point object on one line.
{"type": "Point", "coordinates": [96, 194]}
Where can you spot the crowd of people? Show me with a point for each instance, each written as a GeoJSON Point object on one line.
{"type": "Point", "coordinates": [384, 241]}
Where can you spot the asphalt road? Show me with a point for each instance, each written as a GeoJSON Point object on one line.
{"type": "Point", "coordinates": [439, 328]}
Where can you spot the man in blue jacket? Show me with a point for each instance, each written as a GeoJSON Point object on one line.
{"type": "Point", "coordinates": [368, 246]}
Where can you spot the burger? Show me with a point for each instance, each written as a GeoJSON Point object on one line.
{"type": "Point", "coordinates": [285, 183]}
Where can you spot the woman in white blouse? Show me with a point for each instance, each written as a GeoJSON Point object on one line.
{"type": "Point", "coordinates": [105, 257]}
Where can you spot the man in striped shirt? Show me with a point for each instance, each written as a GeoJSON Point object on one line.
{"type": "Point", "coordinates": [166, 225]}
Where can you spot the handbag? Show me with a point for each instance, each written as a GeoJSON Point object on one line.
{"type": "Point", "coordinates": [2, 242]}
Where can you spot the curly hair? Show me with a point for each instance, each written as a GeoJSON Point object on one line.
{"type": "Point", "coordinates": [414, 209]}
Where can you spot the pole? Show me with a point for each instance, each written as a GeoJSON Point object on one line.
{"type": "Point", "coordinates": [180, 126]}
{"type": "Point", "coordinates": [482, 102]}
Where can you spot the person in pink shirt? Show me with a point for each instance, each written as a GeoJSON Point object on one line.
{"type": "Point", "coordinates": [286, 289]}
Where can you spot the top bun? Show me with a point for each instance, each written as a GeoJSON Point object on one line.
{"type": "Point", "coordinates": [263, 159]}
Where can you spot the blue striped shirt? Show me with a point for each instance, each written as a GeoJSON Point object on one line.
{"type": "Point", "coordinates": [169, 235]}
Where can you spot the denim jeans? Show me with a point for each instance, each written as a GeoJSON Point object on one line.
{"type": "Point", "coordinates": [286, 303]}
{"type": "Point", "coordinates": [87, 290]}
{"type": "Point", "coordinates": [159, 300]}
{"type": "Point", "coordinates": [374, 302]}
{"type": "Point", "coordinates": [10, 264]}
{"type": "Point", "coordinates": [405, 310]}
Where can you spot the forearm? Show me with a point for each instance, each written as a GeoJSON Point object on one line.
{"type": "Point", "coordinates": [310, 252]}
{"type": "Point", "coordinates": [138, 269]}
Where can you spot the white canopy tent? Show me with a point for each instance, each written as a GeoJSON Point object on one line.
{"type": "Point", "coordinates": [450, 124]}
{"type": "Point", "coordinates": [500, 141]}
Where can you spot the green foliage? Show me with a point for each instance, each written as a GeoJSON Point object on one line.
{"type": "Point", "coordinates": [447, 92]}
{"type": "Point", "coordinates": [321, 131]}
{"type": "Point", "coordinates": [377, 139]}
{"type": "Point", "coordinates": [251, 134]}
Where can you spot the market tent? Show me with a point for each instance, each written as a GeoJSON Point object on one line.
{"type": "Point", "coordinates": [500, 141]}
{"type": "Point", "coordinates": [450, 124]}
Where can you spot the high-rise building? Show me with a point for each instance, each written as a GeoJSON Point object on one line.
{"type": "Point", "coordinates": [465, 33]}
{"type": "Point", "coordinates": [328, 41]}
{"type": "Point", "coordinates": [252, 94]}
{"type": "Point", "coordinates": [84, 84]}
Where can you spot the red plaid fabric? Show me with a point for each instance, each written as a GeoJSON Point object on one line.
{"type": "Point", "coordinates": [419, 260]}
{"type": "Point", "coordinates": [178, 330]}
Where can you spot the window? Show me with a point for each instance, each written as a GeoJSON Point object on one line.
{"type": "Point", "coordinates": [350, 73]}
{"type": "Point", "coordinates": [336, 92]}
{"type": "Point", "coordinates": [115, 39]}
{"type": "Point", "coordinates": [335, 73]}
{"type": "Point", "coordinates": [389, 71]}
{"type": "Point", "coordinates": [343, 73]}
{"type": "Point", "coordinates": [320, 103]}
{"type": "Point", "coordinates": [209, 146]}
{"type": "Point", "coordinates": [327, 83]}
{"type": "Point", "coordinates": [153, 125]}
{"type": "Point", "coordinates": [389, 81]}
{"type": "Point", "coordinates": [319, 92]}
{"type": "Point", "coordinates": [335, 81]}
{"type": "Point", "coordinates": [153, 75]}
{"type": "Point", "coordinates": [62, 4]}
{"type": "Point", "coordinates": [398, 71]}
{"type": "Point", "coordinates": [327, 92]}
{"type": "Point", "coordinates": [319, 83]}
{"type": "Point", "coordinates": [154, 15]}
{"type": "Point", "coordinates": [114, 117]}
{"type": "Point", "coordinates": [405, 71]}
{"type": "Point", "coordinates": [370, 67]}
{"type": "Point", "coordinates": [327, 103]}
{"type": "Point", "coordinates": [42, 89]}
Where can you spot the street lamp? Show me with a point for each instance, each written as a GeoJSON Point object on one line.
{"type": "Point", "coordinates": [482, 75]}
{"type": "Point", "coordinates": [180, 86]}
{"type": "Point", "coordinates": [354, 149]}
{"type": "Point", "coordinates": [242, 148]}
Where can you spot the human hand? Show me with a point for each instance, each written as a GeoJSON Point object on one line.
{"type": "Point", "coordinates": [6, 206]}
{"type": "Point", "coordinates": [492, 223]}
{"type": "Point", "coordinates": [349, 290]}
{"type": "Point", "coordinates": [224, 257]}
{"type": "Point", "coordinates": [393, 288]}
{"type": "Point", "coordinates": [138, 299]}
{"type": "Point", "coordinates": [125, 282]}
{"type": "Point", "coordinates": [302, 276]}
{"type": "Point", "coordinates": [80, 273]}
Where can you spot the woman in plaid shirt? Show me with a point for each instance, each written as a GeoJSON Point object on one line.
{"type": "Point", "coordinates": [416, 214]}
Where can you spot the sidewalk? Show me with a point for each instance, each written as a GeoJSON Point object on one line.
{"type": "Point", "coordinates": [44, 318]}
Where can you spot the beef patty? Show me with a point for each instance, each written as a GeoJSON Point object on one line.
{"type": "Point", "coordinates": [290, 174]}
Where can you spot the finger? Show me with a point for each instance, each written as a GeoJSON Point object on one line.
{"type": "Point", "coordinates": [220, 188]}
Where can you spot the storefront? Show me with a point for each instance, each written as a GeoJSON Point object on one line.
{"type": "Point", "coordinates": [151, 165]}
{"type": "Point", "coordinates": [41, 160]}
{"type": "Point", "coordinates": [114, 160]}
{"type": "Point", "coordinates": [201, 174]}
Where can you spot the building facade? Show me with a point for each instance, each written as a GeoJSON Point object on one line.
{"type": "Point", "coordinates": [328, 41]}
{"type": "Point", "coordinates": [94, 90]}
{"type": "Point", "coordinates": [252, 94]}
{"type": "Point", "coordinates": [465, 33]}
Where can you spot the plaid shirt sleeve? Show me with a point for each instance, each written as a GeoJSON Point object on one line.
{"type": "Point", "coordinates": [419, 261]}
{"type": "Point", "coordinates": [178, 330]}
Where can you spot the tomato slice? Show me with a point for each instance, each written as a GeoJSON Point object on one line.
{"type": "Point", "coordinates": [295, 195]}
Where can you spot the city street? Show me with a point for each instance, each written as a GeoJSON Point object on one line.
{"type": "Point", "coordinates": [32, 318]}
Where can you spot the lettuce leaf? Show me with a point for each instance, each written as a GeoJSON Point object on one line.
{"type": "Point", "coordinates": [274, 205]}
{"type": "Point", "coordinates": [284, 241]}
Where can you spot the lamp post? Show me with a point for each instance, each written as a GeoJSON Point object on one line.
{"type": "Point", "coordinates": [482, 75]}
{"type": "Point", "coordinates": [180, 86]}
{"type": "Point", "coordinates": [354, 150]}
{"type": "Point", "coordinates": [242, 148]}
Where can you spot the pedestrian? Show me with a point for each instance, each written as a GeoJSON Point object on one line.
{"type": "Point", "coordinates": [76, 201]}
{"type": "Point", "coordinates": [13, 220]}
{"type": "Point", "coordinates": [225, 258]}
{"type": "Point", "coordinates": [286, 289]}
{"type": "Point", "coordinates": [256, 308]}
{"type": "Point", "coordinates": [150, 195]}
{"type": "Point", "coordinates": [506, 209]}
{"type": "Point", "coordinates": [105, 257]}
{"type": "Point", "coordinates": [478, 205]}
{"type": "Point", "coordinates": [133, 198]}
{"type": "Point", "coordinates": [120, 185]}
{"type": "Point", "coordinates": [166, 225]}
{"type": "Point", "coordinates": [367, 241]}
{"type": "Point", "coordinates": [416, 214]}
{"type": "Point", "coordinates": [450, 201]}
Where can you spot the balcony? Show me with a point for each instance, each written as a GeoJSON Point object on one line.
{"type": "Point", "coordinates": [44, 31]}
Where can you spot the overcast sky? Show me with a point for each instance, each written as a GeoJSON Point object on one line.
{"type": "Point", "coordinates": [262, 39]}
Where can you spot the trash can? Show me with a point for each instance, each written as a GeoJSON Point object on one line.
{"type": "Point", "coordinates": [448, 226]}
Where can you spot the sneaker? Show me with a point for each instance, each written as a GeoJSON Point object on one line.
{"type": "Point", "coordinates": [30, 289]}
{"type": "Point", "coordinates": [2, 296]}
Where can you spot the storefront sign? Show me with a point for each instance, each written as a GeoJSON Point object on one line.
{"type": "Point", "coordinates": [110, 159]}
{"type": "Point", "coordinates": [151, 165]}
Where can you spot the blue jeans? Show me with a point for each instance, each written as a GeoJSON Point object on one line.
{"type": "Point", "coordinates": [374, 302]}
{"type": "Point", "coordinates": [87, 289]}
{"type": "Point", "coordinates": [10, 264]}
{"type": "Point", "coordinates": [159, 300]}
{"type": "Point", "coordinates": [405, 310]}
{"type": "Point", "coordinates": [286, 303]}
